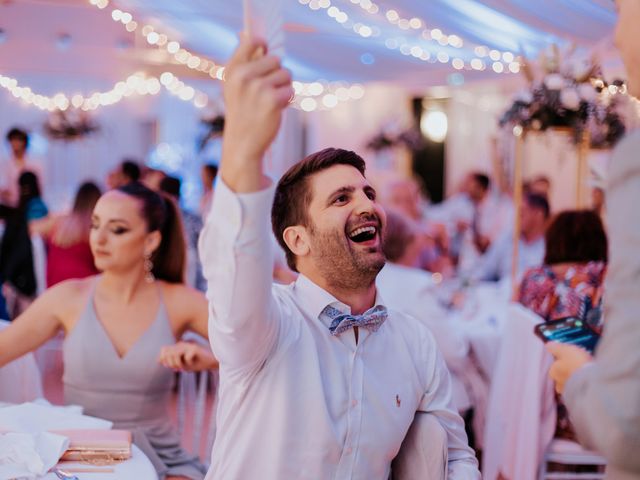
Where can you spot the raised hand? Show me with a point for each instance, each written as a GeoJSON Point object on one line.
{"type": "Point", "coordinates": [256, 91]}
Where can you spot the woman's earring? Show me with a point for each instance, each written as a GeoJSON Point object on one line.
{"type": "Point", "coordinates": [148, 269]}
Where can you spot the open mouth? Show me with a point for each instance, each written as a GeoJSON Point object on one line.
{"type": "Point", "coordinates": [363, 234]}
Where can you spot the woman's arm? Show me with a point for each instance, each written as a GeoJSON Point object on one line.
{"type": "Point", "coordinates": [40, 322]}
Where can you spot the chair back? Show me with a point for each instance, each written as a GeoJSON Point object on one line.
{"type": "Point", "coordinates": [20, 380]}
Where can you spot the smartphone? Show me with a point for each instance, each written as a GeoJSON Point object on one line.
{"type": "Point", "coordinates": [568, 330]}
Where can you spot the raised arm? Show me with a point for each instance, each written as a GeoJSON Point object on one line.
{"type": "Point", "coordinates": [235, 245]}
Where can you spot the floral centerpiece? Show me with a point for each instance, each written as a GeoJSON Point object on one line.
{"type": "Point", "coordinates": [568, 91]}
{"type": "Point", "coordinates": [69, 125]}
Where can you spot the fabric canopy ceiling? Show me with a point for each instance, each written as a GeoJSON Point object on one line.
{"type": "Point", "coordinates": [317, 46]}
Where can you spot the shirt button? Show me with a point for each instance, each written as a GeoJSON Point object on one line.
{"type": "Point", "coordinates": [348, 451]}
{"type": "Point", "coordinates": [354, 403]}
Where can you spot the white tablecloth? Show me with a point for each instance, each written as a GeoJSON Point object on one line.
{"type": "Point", "coordinates": [138, 467]}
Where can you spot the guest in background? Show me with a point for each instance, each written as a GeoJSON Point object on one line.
{"type": "Point", "coordinates": [208, 175]}
{"type": "Point", "coordinates": [16, 252]}
{"type": "Point", "coordinates": [603, 395]}
{"type": "Point", "coordinates": [539, 185]}
{"type": "Point", "coordinates": [151, 177]}
{"type": "Point", "coordinates": [570, 282]}
{"type": "Point", "coordinates": [192, 227]}
{"type": "Point", "coordinates": [406, 195]}
{"type": "Point", "coordinates": [117, 323]}
{"type": "Point", "coordinates": [479, 222]}
{"type": "Point", "coordinates": [126, 172]}
{"type": "Point", "coordinates": [18, 163]}
{"type": "Point", "coordinates": [69, 254]}
{"type": "Point", "coordinates": [496, 263]}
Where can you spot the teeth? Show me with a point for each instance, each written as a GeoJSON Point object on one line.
{"type": "Point", "coordinates": [360, 230]}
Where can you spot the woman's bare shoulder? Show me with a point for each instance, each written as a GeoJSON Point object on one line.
{"type": "Point", "coordinates": [70, 291]}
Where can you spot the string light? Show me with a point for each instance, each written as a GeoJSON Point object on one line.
{"type": "Point", "coordinates": [507, 60]}
{"type": "Point", "coordinates": [216, 71]}
{"type": "Point", "coordinates": [136, 84]}
{"type": "Point", "coordinates": [341, 17]}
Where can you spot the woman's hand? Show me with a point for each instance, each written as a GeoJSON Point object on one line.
{"type": "Point", "coordinates": [187, 356]}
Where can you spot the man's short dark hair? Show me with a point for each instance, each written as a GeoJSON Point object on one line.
{"type": "Point", "coordinates": [131, 170]}
{"type": "Point", "coordinates": [538, 202]}
{"type": "Point", "coordinates": [293, 195]}
{"type": "Point", "coordinates": [171, 186]}
{"type": "Point", "coordinates": [482, 180]}
{"type": "Point", "coordinates": [575, 236]}
{"type": "Point", "coordinates": [18, 134]}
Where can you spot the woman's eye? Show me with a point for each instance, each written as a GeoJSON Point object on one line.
{"type": "Point", "coordinates": [119, 230]}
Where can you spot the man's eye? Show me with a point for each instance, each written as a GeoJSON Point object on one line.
{"type": "Point", "coordinates": [371, 195]}
{"type": "Point", "coordinates": [341, 199]}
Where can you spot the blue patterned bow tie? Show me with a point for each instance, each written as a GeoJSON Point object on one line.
{"type": "Point", "coordinates": [371, 319]}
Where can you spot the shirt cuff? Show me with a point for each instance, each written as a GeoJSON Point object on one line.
{"type": "Point", "coordinates": [241, 211]}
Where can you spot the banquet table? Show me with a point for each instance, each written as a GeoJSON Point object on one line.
{"type": "Point", "coordinates": [138, 467]}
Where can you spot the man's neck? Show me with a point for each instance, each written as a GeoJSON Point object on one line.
{"type": "Point", "coordinates": [358, 299]}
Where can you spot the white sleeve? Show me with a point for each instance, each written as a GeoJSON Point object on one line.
{"type": "Point", "coordinates": [237, 260]}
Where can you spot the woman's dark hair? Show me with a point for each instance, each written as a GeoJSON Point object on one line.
{"type": "Point", "coordinates": [575, 236]}
{"type": "Point", "coordinates": [162, 214]}
{"type": "Point", "coordinates": [293, 193]}
{"type": "Point", "coordinates": [86, 198]}
{"type": "Point", "coordinates": [29, 188]}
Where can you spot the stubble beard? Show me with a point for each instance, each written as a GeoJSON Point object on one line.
{"type": "Point", "coordinates": [341, 265]}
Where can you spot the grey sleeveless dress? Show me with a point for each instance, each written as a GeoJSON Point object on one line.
{"type": "Point", "coordinates": [132, 391]}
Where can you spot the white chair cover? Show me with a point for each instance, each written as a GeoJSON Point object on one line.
{"type": "Point", "coordinates": [423, 453]}
{"type": "Point", "coordinates": [20, 380]}
{"type": "Point", "coordinates": [521, 416]}
{"type": "Point", "coordinates": [39, 254]}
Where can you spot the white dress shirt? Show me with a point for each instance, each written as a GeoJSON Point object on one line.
{"type": "Point", "coordinates": [296, 401]}
{"type": "Point", "coordinates": [410, 290]}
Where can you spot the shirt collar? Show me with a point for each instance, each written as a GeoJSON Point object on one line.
{"type": "Point", "coordinates": [314, 299]}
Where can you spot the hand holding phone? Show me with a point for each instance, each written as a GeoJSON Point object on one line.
{"type": "Point", "coordinates": [570, 330]}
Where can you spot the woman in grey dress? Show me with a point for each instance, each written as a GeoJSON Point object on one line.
{"type": "Point", "coordinates": [117, 323]}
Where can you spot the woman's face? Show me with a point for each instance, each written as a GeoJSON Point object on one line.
{"type": "Point", "coordinates": [119, 239]}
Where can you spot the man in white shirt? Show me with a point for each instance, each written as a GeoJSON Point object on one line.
{"type": "Point", "coordinates": [496, 263]}
{"type": "Point", "coordinates": [309, 388]}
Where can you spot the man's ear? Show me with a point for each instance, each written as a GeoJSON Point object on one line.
{"type": "Point", "coordinates": [297, 240]}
